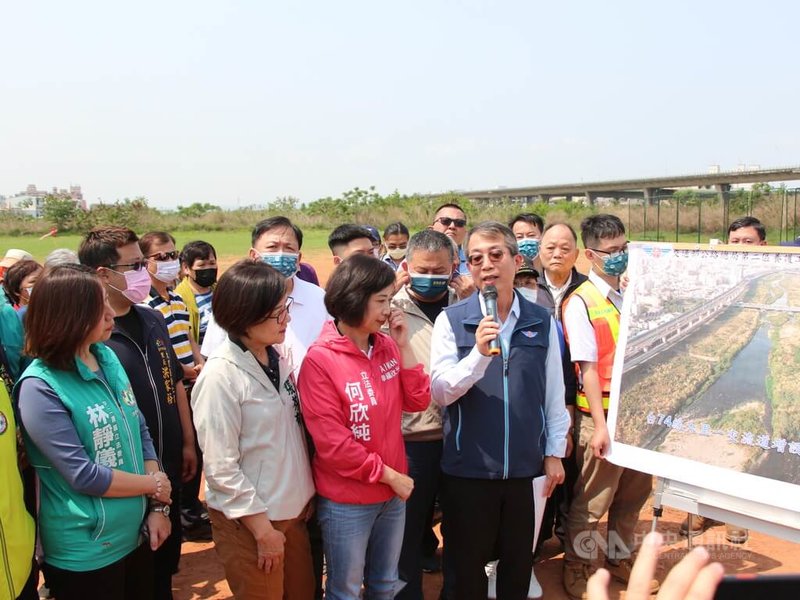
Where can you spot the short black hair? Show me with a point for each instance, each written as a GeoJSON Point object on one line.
{"type": "Point", "coordinates": [246, 294]}
{"type": "Point", "coordinates": [395, 229]}
{"type": "Point", "coordinates": [99, 247]}
{"type": "Point", "coordinates": [344, 234]}
{"type": "Point", "coordinates": [449, 205]}
{"type": "Point", "coordinates": [530, 219]}
{"type": "Point", "coordinates": [153, 237]}
{"type": "Point", "coordinates": [749, 222]}
{"type": "Point", "coordinates": [266, 225]}
{"type": "Point", "coordinates": [600, 227]}
{"type": "Point", "coordinates": [196, 250]}
{"type": "Point", "coordinates": [351, 285]}
{"type": "Point", "coordinates": [430, 240]}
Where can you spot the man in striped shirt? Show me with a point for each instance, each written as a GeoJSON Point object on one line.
{"type": "Point", "coordinates": [163, 265]}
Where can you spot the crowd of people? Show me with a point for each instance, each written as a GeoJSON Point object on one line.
{"type": "Point", "coordinates": [435, 374]}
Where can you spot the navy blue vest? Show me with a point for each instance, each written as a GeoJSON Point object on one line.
{"type": "Point", "coordinates": [489, 434]}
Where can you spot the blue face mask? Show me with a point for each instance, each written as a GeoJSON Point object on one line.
{"type": "Point", "coordinates": [429, 286]}
{"type": "Point", "coordinates": [615, 264]}
{"type": "Point", "coordinates": [283, 262]}
{"type": "Point", "coordinates": [528, 247]}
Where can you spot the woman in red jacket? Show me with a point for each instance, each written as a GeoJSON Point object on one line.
{"type": "Point", "coordinates": [354, 383]}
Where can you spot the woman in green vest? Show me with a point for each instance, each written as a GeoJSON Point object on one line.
{"type": "Point", "coordinates": [90, 446]}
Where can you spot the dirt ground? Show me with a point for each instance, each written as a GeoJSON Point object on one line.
{"type": "Point", "coordinates": [202, 576]}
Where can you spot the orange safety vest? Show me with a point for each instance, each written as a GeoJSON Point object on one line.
{"type": "Point", "coordinates": [604, 317]}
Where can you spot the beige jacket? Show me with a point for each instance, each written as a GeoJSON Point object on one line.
{"type": "Point", "coordinates": [423, 426]}
{"type": "Point", "coordinates": [254, 449]}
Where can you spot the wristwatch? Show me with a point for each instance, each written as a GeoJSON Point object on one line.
{"type": "Point", "coordinates": [161, 508]}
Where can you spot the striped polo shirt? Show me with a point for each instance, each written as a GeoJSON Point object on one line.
{"type": "Point", "coordinates": [177, 317]}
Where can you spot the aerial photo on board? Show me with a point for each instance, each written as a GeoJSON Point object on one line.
{"type": "Point", "coordinates": [711, 360]}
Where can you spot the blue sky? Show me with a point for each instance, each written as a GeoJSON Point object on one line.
{"type": "Point", "coordinates": [242, 102]}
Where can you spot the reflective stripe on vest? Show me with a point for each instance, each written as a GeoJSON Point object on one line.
{"type": "Point", "coordinates": [604, 317]}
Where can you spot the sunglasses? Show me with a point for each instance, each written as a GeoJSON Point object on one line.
{"type": "Point", "coordinates": [496, 255]}
{"type": "Point", "coordinates": [164, 256]}
{"type": "Point", "coordinates": [447, 221]}
{"type": "Point", "coordinates": [135, 266]}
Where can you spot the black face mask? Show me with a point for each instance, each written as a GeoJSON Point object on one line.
{"type": "Point", "coordinates": [205, 277]}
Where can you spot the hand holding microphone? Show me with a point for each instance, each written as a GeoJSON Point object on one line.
{"type": "Point", "coordinates": [487, 336]}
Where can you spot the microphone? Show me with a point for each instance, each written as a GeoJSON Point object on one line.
{"type": "Point", "coordinates": [490, 299]}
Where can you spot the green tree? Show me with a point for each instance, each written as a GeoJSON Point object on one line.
{"type": "Point", "coordinates": [59, 211]}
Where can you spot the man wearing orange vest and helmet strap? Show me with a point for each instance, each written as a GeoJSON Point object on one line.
{"type": "Point", "coordinates": [591, 326]}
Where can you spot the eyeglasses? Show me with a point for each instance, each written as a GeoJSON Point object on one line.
{"type": "Point", "coordinates": [447, 221]}
{"type": "Point", "coordinates": [495, 255]}
{"type": "Point", "coordinates": [164, 256]}
{"type": "Point", "coordinates": [622, 250]}
{"type": "Point", "coordinates": [284, 312]}
{"type": "Point", "coordinates": [135, 266]}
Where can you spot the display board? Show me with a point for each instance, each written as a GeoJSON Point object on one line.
{"type": "Point", "coordinates": [706, 381]}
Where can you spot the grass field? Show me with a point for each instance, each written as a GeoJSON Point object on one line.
{"type": "Point", "coordinates": [228, 244]}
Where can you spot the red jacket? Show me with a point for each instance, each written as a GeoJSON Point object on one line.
{"type": "Point", "coordinates": [352, 407]}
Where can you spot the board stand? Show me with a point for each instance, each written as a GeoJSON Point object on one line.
{"type": "Point", "coordinates": [695, 500]}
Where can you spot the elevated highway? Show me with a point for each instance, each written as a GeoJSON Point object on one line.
{"type": "Point", "coordinates": [644, 346]}
{"type": "Point", "coordinates": [648, 188]}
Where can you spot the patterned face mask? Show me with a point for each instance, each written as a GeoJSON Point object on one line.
{"type": "Point", "coordinates": [283, 262]}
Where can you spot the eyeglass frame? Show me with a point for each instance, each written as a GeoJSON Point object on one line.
{"type": "Point", "coordinates": [481, 255]}
{"type": "Point", "coordinates": [281, 317]}
{"type": "Point", "coordinates": [142, 264]}
{"type": "Point", "coordinates": [623, 250]}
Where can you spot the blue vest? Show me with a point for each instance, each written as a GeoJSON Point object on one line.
{"type": "Point", "coordinates": [497, 429]}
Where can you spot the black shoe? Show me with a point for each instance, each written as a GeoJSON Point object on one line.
{"type": "Point", "coordinates": [431, 564]}
{"type": "Point", "coordinates": [197, 532]}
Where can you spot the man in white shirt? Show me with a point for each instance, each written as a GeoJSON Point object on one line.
{"type": "Point", "coordinates": [591, 326]}
{"type": "Point", "coordinates": [277, 242]}
{"type": "Point", "coordinates": [505, 420]}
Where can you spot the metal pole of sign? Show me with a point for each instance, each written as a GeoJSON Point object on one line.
{"type": "Point", "coordinates": [677, 216]}
{"type": "Point", "coordinates": [794, 224]}
{"type": "Point", "coordinates": [783, 209]}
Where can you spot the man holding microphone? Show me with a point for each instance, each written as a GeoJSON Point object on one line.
{"type": "Point", "coordinates": [496, 368]}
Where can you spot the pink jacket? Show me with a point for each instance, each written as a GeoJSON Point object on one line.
{"type": "Point", "coordinates": [352, 407]}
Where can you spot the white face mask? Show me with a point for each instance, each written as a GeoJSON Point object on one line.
{"type": "Point", "coordinates": [167, 271]}
{"type": "Point", "coordinates": [397, 254]}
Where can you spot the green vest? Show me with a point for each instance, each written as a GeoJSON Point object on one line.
{"type": "Point", "coordinates": [17, 531]}
{"type": "Point", "coordinates": [81, 532]}
{"type": "Point", "coordinates": [11, 336]}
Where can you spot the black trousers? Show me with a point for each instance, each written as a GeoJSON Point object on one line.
{"type": "Point", "coordinates": [489, 519]}
{"type": "Point", "coordinates": [424, 459]}
{"type": "Point", "coordinates": [130, 578]}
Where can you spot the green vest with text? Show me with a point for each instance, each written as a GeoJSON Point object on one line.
{"type": "Point", "coordinates": [81, 532]}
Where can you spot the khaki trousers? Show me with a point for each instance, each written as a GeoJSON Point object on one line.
{"type": "Point", "coordinates": [602, 487]}
{"type": "Point", "coordinates": [236, 548]}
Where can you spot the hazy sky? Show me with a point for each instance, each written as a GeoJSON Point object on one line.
{"type": "Point", "coordinates": [230, 102]}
